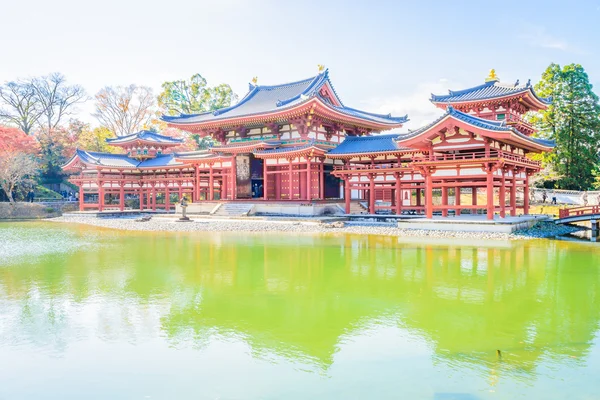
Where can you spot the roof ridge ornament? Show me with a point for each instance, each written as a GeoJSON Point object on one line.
{"type": "Point", "coordinates": [492, 77]}
{"type": "Point", "coordinates": [321, 68]}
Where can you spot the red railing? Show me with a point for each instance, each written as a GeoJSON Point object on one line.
{"type": "Point", "coordinates": [572, 212]}
{"type": "Point", "coordinates": [367, 166]}
{"type": "Point", "coordinates": [478, 155]}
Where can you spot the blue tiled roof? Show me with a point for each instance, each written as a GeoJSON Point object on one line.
{"type": "Point", "coordinates": [478, 122]}
{"type": "Point", "coordinates": [263, 99]}
{"type": "Point", "coordinates": [124, 161]}
{"type": "Point", "coordinates": [106, 159]}
{"type": "Point", "coordinates": [159, 161]}
{"type": "Point", "coordinates": [367, 144]}
{"type": "Point", "coordinates": [147, 136]}
{"type": "Point", "coordinates": [488, 90]}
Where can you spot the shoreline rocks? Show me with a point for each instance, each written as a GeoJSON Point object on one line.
{"type": "Point", "coordinates": [540, 230]}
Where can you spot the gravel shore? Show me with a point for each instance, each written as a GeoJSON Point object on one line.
{"type": "Point", "coordinates": [540, 230]}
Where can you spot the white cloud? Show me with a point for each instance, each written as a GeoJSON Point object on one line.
{"type": "Point", "coordinates": [538, 36]}
{"type": "Point", "coordinates": [416, 103]}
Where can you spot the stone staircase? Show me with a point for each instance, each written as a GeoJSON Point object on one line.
{"type": "Point", "coordinates": [233, 210]}
{"type": "Point", "coordinates": [357, 207]}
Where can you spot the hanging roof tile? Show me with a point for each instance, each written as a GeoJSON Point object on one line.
{"type": "Point", "coordinates": [267, 99]}
{"type": "Point", "coordinates": [488, 90]}
{"type": "Point", "coordinates": [147, 136]}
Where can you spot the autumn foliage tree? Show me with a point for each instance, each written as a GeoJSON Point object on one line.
{"type": "Point", "coordinates": [18, 163]}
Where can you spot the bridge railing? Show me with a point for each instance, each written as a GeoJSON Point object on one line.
{"type": "Point", "coordinates": [571, 212]}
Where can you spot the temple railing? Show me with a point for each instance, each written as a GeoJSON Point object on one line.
{"type": "Point", "coordinates": [479, 155]}
{"type": "Point", "coordinates": [366, 167]}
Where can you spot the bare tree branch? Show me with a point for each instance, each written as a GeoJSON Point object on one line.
{"type": "Point", "coordinates": [125, 110]}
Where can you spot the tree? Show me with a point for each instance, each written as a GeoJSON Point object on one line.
{"type": "Point", "coordinates": [17, 160]}
{"type": "Point", "coordinates": [56, 147]}
{"type": "Point", "coordinates": [95, 139]}
{"type": "Point", "coordinates": [56, 98]}
{"type": "Point", "coordinates": [194, 96]}
{"type": "Point", "coordinates": [573, 121]}
{"type": "Point", "coordinates": [125, 110]}
{"type": "Point", "coordinates": [21, 105]}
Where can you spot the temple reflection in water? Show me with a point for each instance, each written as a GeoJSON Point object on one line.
{"type": "Point", "coordinates": [289, 297]}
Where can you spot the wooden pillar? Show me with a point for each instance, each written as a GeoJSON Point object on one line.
{"type": "Point", "coordinates": [265, 180]}
{"type": "Point", "coordinates": [371, 194]}
{"type": "Point", "coordinates": [428, 195]}
{"type": "Point", "coordinates": [502, 195]}
{"type": "Point", "coordinates": [444, 200]}
{"type": "Point", "coordinates": [398, 194]}
{"type": "Point", "coordinates": [322, 179]}
{"type": "Point", "coordinates": [278, 183]}
{"type": "Point", "coordinates": [81, 197]}
{"type": "Point", "coordinates": [233, 179]}
{"type": "Point", "coordinates": [526, 195]}
{"type": "Point", "coordinates": [474, 196]}
{"type": "Point", "coordinates": [457, 200]}
{"type": "Point", "coordinates": [490, 193]}
{"type": "Point", "coordinates": [347, 193]}
{"type": "Point", "coordinates": [141, 198]}
{"type": "Point", "coordinates": [167, 199]}
{"type": "Point", "coordinates": [290, 187]}
{"type": "Point", "coordinates": [308, 180]}
{"type": "Point", "coordinates": [121, 196]}
{"type": "Point", "coordinates": [100, 196]}
{"type": "Point", "coordinates": [211, 184]}
{"type": "Point", "coordinates": [154, 197]}
{"type": "Point", "coordinates": [513, 195]}
{"type": "Point", "coordinates": [196, 190]}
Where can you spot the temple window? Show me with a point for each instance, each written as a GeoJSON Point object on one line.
{"type": "Point", "coordinates": [500, 117]}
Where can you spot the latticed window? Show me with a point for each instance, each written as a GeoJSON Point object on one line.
{"type": "Point", "coordinates": [500, 117]}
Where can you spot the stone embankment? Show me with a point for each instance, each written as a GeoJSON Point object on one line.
{"type": "Point", "coordinates": [540, 230]}
{"type": "Point", "coordinates": [26, 211]}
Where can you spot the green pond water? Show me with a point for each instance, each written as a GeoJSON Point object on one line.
{"type": "Point", "coordinates": [88, 313]}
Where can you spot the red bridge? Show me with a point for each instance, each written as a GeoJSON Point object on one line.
{"type": "Point", "coordinates": [579, 214]}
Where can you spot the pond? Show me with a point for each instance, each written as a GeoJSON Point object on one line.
{"type": "Point", "coordinates": [89, 313]}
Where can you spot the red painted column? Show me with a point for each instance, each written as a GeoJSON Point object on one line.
{"type": "Point", "coordinates": [278, 183]}
{"type": "Point", "coordinates": [81, 196]}
{"type": "Point", "coordinates": [308, 179]}
{"type": "Point", "coordinates": [154, 197]}
{"type": "Point", "coordinates": [211, 184]}
{"type": "Point", "coordinates": [457, 200]}
{"type": "Point", "coordinates": [265, 180]}
{"type": "Point", "coordinates": [196, 189]}
{"type": "Point", "coordinates": [398, 194]}
{"type": "Point", "coordinates": [290, 187]}
{"type": "Point", "coordinates": [225, 187]}
{"type": "Point", "coordinates": [444, 200]}
{"type": "Point", "coordinates": [100, 196]}
{"type": "Point", "coordinates": [490, 194]}
{"type": "Point", "coordinates": [233, 179]}
{"type": "Point", "coordinates": [347, 193]}
{"type": "Point", "coordinates": [513, 195]}
{"type": "Point", "coordinates": [121, 197]}
{"type": "Point", "coordinates": [371, 194]}
{"type": "Point", "coordinates": [167, 199]}
{"type": "Point", "coordinates": [322, 180]}
{"type": "Point", "coordinates": [428, 195]}
{"type": "Point", "coordinates": [526, 195]}
{"type": "Point", "coordinates": [474, 196]}
{"type": "Point", "coordinates": [141, 199]}
{"type": "Point", "coordinates": [503, 195]}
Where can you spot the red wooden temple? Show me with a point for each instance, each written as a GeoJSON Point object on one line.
{"type": "Point", "coordinates": [299, 142]}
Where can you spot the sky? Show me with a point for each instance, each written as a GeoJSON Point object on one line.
{"type": "Point", "coordinates": [383, 56]}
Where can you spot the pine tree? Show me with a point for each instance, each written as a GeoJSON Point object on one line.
{"type": "Point", "coordinates": [573, 121]}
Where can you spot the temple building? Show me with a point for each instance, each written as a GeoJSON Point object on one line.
{"type": "Point", "coordinates": [297, 142]}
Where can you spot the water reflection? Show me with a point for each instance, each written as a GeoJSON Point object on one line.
{"type": "Point", "coordinates": [302, 298]}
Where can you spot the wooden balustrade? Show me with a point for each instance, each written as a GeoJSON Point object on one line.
{"type": "Point", "coordinates": [571, 212]}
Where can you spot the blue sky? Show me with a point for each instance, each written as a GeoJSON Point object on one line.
{"type": "Point", "coordinates": [383, 56]}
